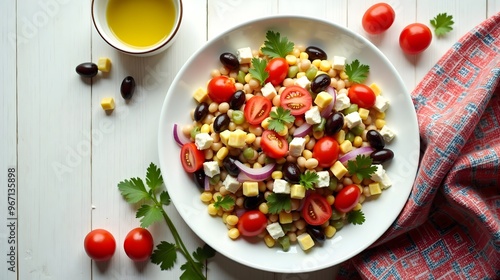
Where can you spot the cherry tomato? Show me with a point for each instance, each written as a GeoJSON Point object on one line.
{"type": "Point", "coordinates": [316, 210]}
{"type": "Point", "coordinates": [191, 158]}
{"type": "Point", "coordinates": [326, 151]}
{"type": "Point", "coordinates": [378, 18]}
{"type": "Point", "coordinates": [362, 95]}
{"type": "Point", "coordinates": [273, 145]}
{"type": "Point", "coordinates": [252, 223]}
{"type": "Point", "coordinates": [100, 245]}
{"type": "Point", "coordinates": [257, 109]}
{"type": "Point", "coordinates": [138, 244]}
{"type": "Point", "coordinates": [415, 38]}
{"type": "Point", "coordinates": [221, 88]}
{"type": "Point", "coordinates": [277, 69]}
{"type": "Point", "coordinates": [296, 99]}
{"type": "Point", "coordinates": [347, 198]}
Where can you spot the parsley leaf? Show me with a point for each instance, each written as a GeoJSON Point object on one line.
{"type": "Point", "coordinates": [308, 179]}
{"type": "Point", "coordinates": [357, 72]}
{"type": "Point", "coordinates": [361, 167]}
{"type": "Point", "coordinates": [149, 214]}
{"type": "Point", "coordinates": [356, 217]}
{"type": "Point", "coordinates": [442, 24]}
{"type": "Point", "coordinates": [203, 253]}
{"type": "Point", "coordinates": [224, 202]}
{"type": "Point", "coordinates": [164, 255]}
{"type": "Point", "coordinates": [278, 202]}
{"type": "Point", "coordinates": [279, 119]}
{"type": "Point", "coordinates": [276, 46]}
{"type": "Point", "coordinates": [191, 272]}
{"type": "Point", "coordinates": [133, 190]}
{"type": "Point", "coordinates": [258, 70]}
{"type": "Point", "coordinates": [154, 179]}
{"type": "Point", "coordinates": [165, 198]}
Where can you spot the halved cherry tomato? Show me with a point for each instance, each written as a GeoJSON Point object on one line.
{"type": "Point", "coordinates": [326, 151]}
{"type": "Point", "coordinates": [378, 18]}
{"type": "Point", "coordinates": [362, 95]}
{"type": "Point", "coordinates": [221, 88]}
{"type": "Point", "coordinates": [347, 198]}
{"type": "Point", "coordinates": [273, 145]}
{"type": "Point", "coordinates": [192, 159]}
{"type": "Point", "coordinates": [257, 109]}
{"type": "Point", "coordinates": [138, 244]}
{"type": "Point", "coordinates": [252, 223]}
{"type": "Point", "coordinates": [316, 210]}
{"type": "Point", "coordinates": [100, 245]}
{"type": "Point", "coordinates": [415, 38]}
{"type": "Point", "coordinates": [277, 69]}
{"type": "Point", "coordinates": [296, 99]}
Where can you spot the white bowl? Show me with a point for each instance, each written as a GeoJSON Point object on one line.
{"type": "Point", "coordinates": [379, 213]}
{"type": "Point", "coordinates": [99, 8]}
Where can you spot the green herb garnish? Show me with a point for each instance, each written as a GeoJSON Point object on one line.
{"type": "Point", "coordinates": [356, 217]}
{"type": "Point", "coordinates": [361, 167]}
{"type": "Point", "coordinates": [276, 46]}
{"type": "Point", "coordinates": [224, 202]}
{"type": "Point", "coordinates": [278, 202]}
{"type": "Point", "coordinates": [308, 179]}
{"type": "Point", "coordinates": [442, 24]}
{"type": "Point", "coordinates": [357, 72]}
{"type": "Point", "coordinates": [279, 119]}
{"type": "Point", "coordinates": [153, 198]}
{"type": "Point", "coordinates": [258, 70]}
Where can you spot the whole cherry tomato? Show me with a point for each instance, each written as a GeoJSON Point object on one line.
{"type": "Point", "coordinates": [99, 245]}
{"type": "Point", "coordinates": [362, 95]}
{"type": "Point", "coordinates": [221, 88]}
{"type": "Point", "coordinates": [252, 223]}
{"type": "Point", "coordinates": [138, 244]}
{"type": "Point", "coordinates": [347, 198]}
{"type": "Point", "coordinates": [378, 18]}
{"type": "Point", "coordinates": [277, 69]}
{"type": "Point", "coordinates": [415, 38]}
{"type": "Point", "coordinates": [326, 151]}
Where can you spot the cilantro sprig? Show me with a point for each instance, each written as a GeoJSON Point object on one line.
{"type": "Point", "coordinates": [152, 198]}
{"type": "Point", "coordinates": [258, 70]}
{"type": "Point", "coordinates": [361, 167]}
{"type": "Point", "coordinates": [276, 46]}
{"type": "Point", "coordinates": [442, 24]}
{"type": "Point", "coordinates": [279, 119]}
{"type": "Point", "coordinates": [308, 179]}
{"type": "Point", "coordinates": [278, 202]}
{"type": "Point", "coordinates": [224, 202]}
{"type": "Point", "coordinates": [357, 72]}
{"type": "Point", "coordinates": [356, 217]}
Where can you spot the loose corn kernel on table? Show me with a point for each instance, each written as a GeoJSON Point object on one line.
{"type": "Point", "coordinates": [68, 155]}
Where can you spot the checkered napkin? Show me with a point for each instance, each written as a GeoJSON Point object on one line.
{"type": "Point", "coordinates": [450, 226]}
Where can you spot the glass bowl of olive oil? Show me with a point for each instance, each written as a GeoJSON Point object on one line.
{"type": "Point", "coordinates": [141, 28]}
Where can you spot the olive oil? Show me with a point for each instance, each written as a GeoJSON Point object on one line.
{"type": "Point", "coordinates": [141, 23]}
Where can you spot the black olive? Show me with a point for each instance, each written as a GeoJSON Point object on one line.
{"type": "Point", "coordinates": [375, 139]}
{"type": "Point", "coordinates": [201, 111]}
{"type": "Point", "coordinates": [315, 53]}
{"type": "Point", "coordinates": [316, 232]}
{"type": "Point", "coordinates": [229, 60]}
{"type": "Point", "coordinates": [221, 123]}
{"type": "Point", "coordinates": [320, 83]}
{"type": "Point", "coordinates": [199, 178]}
{"type": "Point", "coordinates": [381, 156]}
{"type": "Point", "coordinates": [128, 87]}
{"type": "Point", "coordinates": [230, 166]}
{"type": "Point", "coordinates": [237, 100]}
{"type": "Point", "coordinates": [252, 202]}
{"type": "Point", "coordinates": [334, 123]}
{"type": "Point", "coordinates": [291, 172]}
{"type": "Point", "coordinates": [87, 69]}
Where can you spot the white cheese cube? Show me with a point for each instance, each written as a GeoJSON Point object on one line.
{"type": "Point", "coordinates": [231, 184]}
{"type": "Point", "coordinates": [203, 141]}
{"type": "Point", "coordinates": [281, 186]}
{"type": "Point", "coordinates": [353, 119]}
{"type": "Point", "coordinates": [342, 102]}
{"type": "Point", "coordinates": [387, 134]}
{"type": "Point", "coordinates": [244, 55]}
{"type": "Point", "coordinates": [296, 146]}
{"type": "Point", "coordinates": [268, 91]}
{"type": "Point", "coordinates": [381, 103]}
{"type": "Point", "coordinates": [323, 179]}
{"type": "Point", "coordinates": [313, 116]}
{"type": "Point", "coordinates": [378, 175]}
{"type": "Point", "coordinates": [211, 168]}
{"type": "Point", "coordinates": [386, 182]}
{"type": "Point", "coordinates": [303, 82]}
{"type": "Point", "coordinates": [275, 230]}
{"type": "Point", "coordinates": [338, 62]}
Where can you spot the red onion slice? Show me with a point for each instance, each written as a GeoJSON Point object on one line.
{"type": "Point", "coordinates": [328, 109]}
{"type": "Point", "coordinates": [302, 130]}
{"type": "Point", "coordinates": [354, 153]}
{"type": "Point", "coordinates": [207, 183]}
{"type": "Point", "coordinates": [179, 137]}
{"type": "Point", "coordinates": [254, 174]}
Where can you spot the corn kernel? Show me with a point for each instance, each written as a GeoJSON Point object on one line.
{"type": "Point", "coordinates": [316, 62]}
{"type": "Point", "coordinates": [104, 64]}
{"type": "Point", "coordinates": [277, 175]}
{"type": "Point", "coordinates": [269, 240]}
{"type": "Point", "coordinates": [233, 233]}
{"type": "Point", "coordinates": [338, 169]}
{"type": "Point", "coordinates": [325, 65]}
{"type": "Point", "coordinates": [250, 189]}
{"type": "Point", "coordinates": [330, 199]}
{"type": "Point", "coordinates": [330, 231]}
{"type": "Point", "coordinates": [300, 75]}
{"type": "Point", "coordinates": [340, 136]}
{"type": "Point", "coordinates": [212, 210]}
{"type": "Point", "coordinates": [265, 123]}
{"type": "Point", "coordinates": [232, 220]}
{"type": "Point", "coordinates": [357, 141]}
{"type": "Point", "coordinates": [376, 89]}
{"type": "Point", "coordinates": [303, 55]}
{"type": "Point", "coordinates": [222, 153]}
{"type": "Point", "coordinates": [205, 128]}
{"type": "Point", "coordinates": [291, 59]}
{"type": "Point", "coordinates": [374, 188]}
{"type": "Point", "coordinates": [285, 218]}
{"type": "Point", "coordinates": [250, 138]}
{"type": "Point", "coordinates": [357, 207]}
{"type": "Point", "coordinates": [108, 103]}
{"type": "Point", "coordinates": [343, 75]}
{"type": "Point", "coordinates": [264, 208]}
{"type": "Point", "coordinates": [323, 99]}
{"type": "Point", "coordinates": [379, 115]}
{"type": "Point", "coordinates": [363, 113]}
{"type": "Point", "coordinates": [283, 132]}
{"type": "Point", "coordinates": [206, 196]}
{"type": "Point", "coordinates": [200, 95]}
{"type": "Point", "coordinates": [248, 77]}
{"type": "Point", "coordinates": [379, 123]}
{"type": "Point", "coordinates": [346, 146]}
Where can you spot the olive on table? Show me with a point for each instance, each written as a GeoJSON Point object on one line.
{"type": "Point", "coordinates": [381, 156]}
{"type": "Point", "coordinates": [221, 123]}
{"type": "Point", "coordinates": [199, 178]}
{"type": "Point", "coordinates": [316, 232]}
{"type": "Point", "coordinates": [320, 83]}
{"type": "Point", "coordinates": [375, 139]}
{"type": "Point", "coordinates": [315, 53]}
{"type": "Point", "coordinates": [230, 166]}
{"type": "Point", "coordinates": [237, 100]}
{"type": "Point", "coordinates": [87, 69]}
{"type": "Point", "coordinates": [229, 60]}
{"type": "Point", "coordinates": [201, 111]}
{"type": "Point", "coordinates": [334, 123]}
{"type": "Point", "coordinates": [291, 172]}
{"type": "Point", "coordinates": [127, 87]}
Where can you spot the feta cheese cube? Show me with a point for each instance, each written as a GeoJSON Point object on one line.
{"type": "Point", "coordinates": [323, 179]}
{"type": "Point", "coordinates": [305, 241]}
{"type": "Point", "coordinates": [281, 186]}
{"type": "Point", "coordinates": [268, 91]}
{"type": "Point", "coordinates": [387, 134]}
{"type": "Point", "coordinates": [297, 191]}
{"type": "Point", "coordinates": [386, 182]}
{"type": "Point", "coordinates": [323, 99]}
{"type": "Point", "coordinates": [342, 102]}
{"type": "Point", "coordinates": [296, 146]}
{"type": "Point", "coordinates": [275, 230]}
{"type": "Point", "coordinates": [353, 119]}
{"type": "Point", "coordinates": [302, 82]}
{"type": "Point", "coordinates": [381, 103]}
{"type": "Point", "coordinates": [250, 188]}
{"type": "Point", "coordinates": [338, 62]}
{"type": "Point", "coordinates": [338, 170]}
{"type": "Point", "coordinates": [203, 141]}
{"type": "Point", "coordinates": [313, 116]}
{"type": "Point", "coordinates": [211, 168]}
{"type": "Point", "coordinates": [231, 184]}
{"type": "Point", "coordinates": [378, 175]}
{"type": "Point", "coordinates": [244, 55]}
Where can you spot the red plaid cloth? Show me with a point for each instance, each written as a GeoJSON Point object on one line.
{"type": "Point", "coordinates": [450, 226]}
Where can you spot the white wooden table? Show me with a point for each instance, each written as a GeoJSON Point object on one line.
{"type": "Point", "coordinates": [68, 155]}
